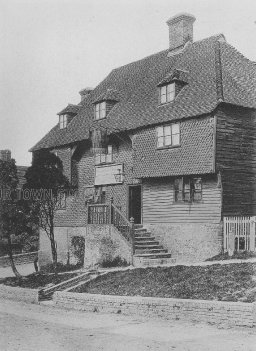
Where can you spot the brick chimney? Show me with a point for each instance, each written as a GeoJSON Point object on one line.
{"type": "Point", "coordinates": [85, 92]}
{"type": "Point", "coordinates": [180, 30]}
{"type": "Point", "coordinates": [5, 155]}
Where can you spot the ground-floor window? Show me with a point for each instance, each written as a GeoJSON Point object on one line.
{"type": "Point", "coordinates": [188, 189]}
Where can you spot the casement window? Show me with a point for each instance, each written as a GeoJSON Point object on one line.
{"type": "Point", "coordinates": [167, 93]}
{"type": "Point", "coordinates": [61, 201]}
{"type": "Point", "coordinates": [187, 189]}
{"type": "Point", "coordinates": [63, 121]}
{"type": "Point", "coordinates": [168, 135]}
{"type": "Point", "coordinates": [100, 110]}
{"type": "Point", "coordinates": [104, 157]}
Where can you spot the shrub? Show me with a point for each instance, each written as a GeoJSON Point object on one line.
{"type": "Point", "coordinates": [114, 262]}
{"type": "Point", "coordinates": [78, 248]}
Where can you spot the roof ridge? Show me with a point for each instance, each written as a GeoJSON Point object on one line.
{"type": "Point", "coordinates": [167, 50]}
{"type": "Point", "coordinates": [242, 55]}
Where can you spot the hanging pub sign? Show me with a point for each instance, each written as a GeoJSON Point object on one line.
{"type": "Point", "coordinates": [99, 140]}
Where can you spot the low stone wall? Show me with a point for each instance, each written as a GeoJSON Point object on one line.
{"type": "Point", "coordinates": [18, 294]}
{"type": "Point", "coordinates": [215, 312]}
{"type": "Point", "coordinates": [23, 258]}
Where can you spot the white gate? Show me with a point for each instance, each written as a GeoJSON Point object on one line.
{"type": "Point", "coordinates": [239, 233]}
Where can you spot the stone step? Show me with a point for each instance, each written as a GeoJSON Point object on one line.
{"type": "Point", "coordinates": [150, 251]}
{"type": "Point", "coordinates": [146, 242]}
{"type": "Point", "coordinates": [141, 238]}
{"type": "Point", "coordinates": [139, 235]}
{"type": "Point", "coordinates": [151, 245]}
{"type": "Point", "coordinates": [140, 230]}
{"type": "Point", "coordinates": [154, 255]}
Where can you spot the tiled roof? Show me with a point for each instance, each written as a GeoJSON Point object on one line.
{"type": "Point", "coordinates": [216, 72]}
{"type": "Point", "coordinates": [69, 109]}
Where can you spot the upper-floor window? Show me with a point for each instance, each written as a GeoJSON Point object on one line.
{"type": "Point", "coordinates": [188, 189]}
{"type": "Point", "coordinates": [63, 121]}
{"type": "Point", "coordinates": [167, 93]}
{"type": "Point", "coordinates": [168, 135]}
{"type": "Point", "coordinates": [100, 110]}
{"type": "Point", "coordinates": [104, 157]}
{"type": "Point", "coordinates": [61, 201]}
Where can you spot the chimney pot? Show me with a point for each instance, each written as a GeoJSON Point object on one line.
{"type": "Point", "coordinates": [85, 92]}
{"type": "Point", "coordinates": [180, 30]}
{"type": "Point", "coordinates": [5, 155]}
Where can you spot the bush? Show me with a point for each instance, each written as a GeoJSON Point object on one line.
{"type": "Point", "coordinates": [114, 262]}
{"type": "Point", "coordinates": [78, 247]}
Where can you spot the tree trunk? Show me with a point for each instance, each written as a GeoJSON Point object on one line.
{"type": "Point", "coordinates": [54, 251]}
{"type": "Point", "coordinates": [14, 269]}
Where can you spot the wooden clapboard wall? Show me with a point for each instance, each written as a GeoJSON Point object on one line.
{"type": "Point", "coordinates": [159, 205]}
{"type": "Point", "coordinates": [236, 159]}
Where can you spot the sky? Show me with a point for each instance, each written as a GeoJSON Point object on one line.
{"type": "Point", "coordinates": [51, 49]}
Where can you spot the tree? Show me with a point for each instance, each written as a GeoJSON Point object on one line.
{"type": "Point", "coordinates": [45, 186]}
{"type": "Point", "coordinates": [12, 218]}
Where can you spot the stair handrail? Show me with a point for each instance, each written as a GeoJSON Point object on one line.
{"type": "Point", "coordinates": [123, 225]}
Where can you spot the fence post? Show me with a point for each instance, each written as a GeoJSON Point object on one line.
{"type": "Point", "coordinates": [111, 209]}
{"type": "Point", "coordinates": [132, 233]}
{"type": "Point", "coordinates": [252, 233]}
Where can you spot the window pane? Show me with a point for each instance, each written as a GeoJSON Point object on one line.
{"type": "Point", "coordinates": [109, 149]}
{"type": "Point", "coordinates": [160, 132]}
{"type": "Point", "coordinates": [186, 196]}
{"type": "Point", "coordinates": [198, 184]}
{"type": "Point", "coordinates": [176, 139]}
{"type": "Point", "coordinates": [175, 128]}
{"type": "Point", "coordinates": [163, 94]}
{"type": "Point", "coordinates": [170, 92]}
{"type": "Point", "coordinates": [97, 158]}
{"type": "Point", "coordinates": [108, 158]}
{"type": "Point", "coordinates": [197, 196]}
{"type": "Point", "coordinates": [168, 140]}
{"type": "Point", "coordinates": [160, 142]}
{"type": "Point", "coordinates": [167, 130]}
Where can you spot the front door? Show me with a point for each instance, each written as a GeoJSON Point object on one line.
{"type": "Point", "coordinates": [135, 203]}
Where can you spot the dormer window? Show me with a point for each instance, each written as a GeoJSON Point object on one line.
{"type": "Point", "coordinates": [63, 121]}
{"type": "Point", "coordinates": [100, 110]}
{"type": "Point", "coordinates": [167, 93]}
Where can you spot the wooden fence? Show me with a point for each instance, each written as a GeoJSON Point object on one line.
{"type": "Point", "coordinates": [239, 233]}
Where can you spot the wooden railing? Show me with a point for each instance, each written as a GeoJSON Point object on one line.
{"type": "Point", "coordinates": [105, 214]}
{"type": "Point", "coordinates": [125, 227]}
{"type": "Point", "coordinates": [239, 233]}
{"type": "Point", "coordinates": [98, 214]}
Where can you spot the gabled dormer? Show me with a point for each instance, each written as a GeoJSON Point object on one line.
{"type": "Point", "coordinates": [67, 114]}
{"type": "Point", "coordinates": [171, 85]}
{"type": "Point", "coordinates": [104, 103]}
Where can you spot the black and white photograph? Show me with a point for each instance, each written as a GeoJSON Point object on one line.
{"type": "Point", "coordinates": [127, 175]}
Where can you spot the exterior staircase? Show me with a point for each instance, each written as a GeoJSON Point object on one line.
{"type": "Point", "coordinates": [148, 251]}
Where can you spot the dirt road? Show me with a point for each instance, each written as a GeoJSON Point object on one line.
{"type": "Point", "coordinates": [44, 328]}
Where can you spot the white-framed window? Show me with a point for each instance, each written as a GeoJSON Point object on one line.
{"type": "Point", "coordinates": [168, 135]}
{"type": "Point", "coordinates": [100, 110]}
{"type": "Point", "coordinates": [61, 201]}
{"type": "Point", "coordinates": [188, 189]}
{"type": "Point", "coordinates": [167, 93]}
{"type": "Point", "coordinates": [63, 121]}
{"type": "Point", "coordinates": [104, 157]}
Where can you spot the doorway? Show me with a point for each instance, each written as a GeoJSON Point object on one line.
{"type": "Point", "coordinates": [135, 203]}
